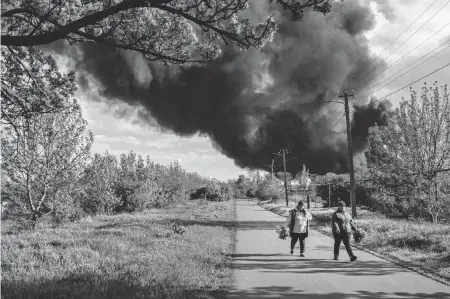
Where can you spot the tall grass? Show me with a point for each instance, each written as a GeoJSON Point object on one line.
{"type": "Point", "coordinates": [123, 256]}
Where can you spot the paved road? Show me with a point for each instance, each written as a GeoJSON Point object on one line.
{"type": "Point", "coordinates": [263, 267]}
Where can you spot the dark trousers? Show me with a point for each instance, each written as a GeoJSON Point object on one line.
{"type": "Point", "coordinates": [344, 237]}
{"type": "Point", "coordinates": [299, 237]}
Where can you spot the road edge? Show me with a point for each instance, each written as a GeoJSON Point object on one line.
{"type": "Point", "coordinates": [411, 267]}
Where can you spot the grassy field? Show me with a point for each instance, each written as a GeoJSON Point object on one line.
{"type": "Point", "coordinates": [123, 256]}
{"type": "Point", "coordinates": [418, 244]}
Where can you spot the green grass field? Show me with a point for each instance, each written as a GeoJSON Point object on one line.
{"type": "Point", "coordinates": [419, 244]}
{"type": "Point", "coordinates": [123, 256]}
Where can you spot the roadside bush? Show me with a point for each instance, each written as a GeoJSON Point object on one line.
{"type": "Point", "coordinates": [199, 193]}
{"type": "Point", "coordinates": [93, 202]}
{"type": "Point", "coordinates": [214, 191]}
{"type": "Point", "coordinates": [250, 193]}
{"type": "Point", "coordinates": [268, 189]}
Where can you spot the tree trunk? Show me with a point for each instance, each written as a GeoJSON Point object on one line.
{"type": "Point", "coordinates": [35, 218]}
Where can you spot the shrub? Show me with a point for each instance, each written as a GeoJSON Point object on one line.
{"type": "Point", "coordinates": [269, 189]}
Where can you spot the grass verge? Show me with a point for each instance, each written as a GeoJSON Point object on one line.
{"type": "Point", "coordinates": [421, 246]}
{"type": "Point", "coordinates": [124, 256]}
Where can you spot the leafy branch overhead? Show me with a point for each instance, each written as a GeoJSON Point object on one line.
{"type": "Point", "coordinates": [174, 31]}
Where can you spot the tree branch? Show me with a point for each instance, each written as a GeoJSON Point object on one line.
{"type": "Point", "coordinates": [62, 32]}
{"type": "Point", "coordinates": [221, 32]}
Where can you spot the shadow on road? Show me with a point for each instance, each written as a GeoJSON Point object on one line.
{"type": "Point", "coordinates": [238, 225]}
{"type": "Point", "coordinates": [290, 293]}
{"type": "Point", "coordinates": [311, 266]}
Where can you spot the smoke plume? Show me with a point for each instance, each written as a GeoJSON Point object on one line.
{"type": "Point", "coordinates": [253, 103]}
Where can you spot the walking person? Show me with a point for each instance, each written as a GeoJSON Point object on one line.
{"type": "Point", "coordinates": [298, 223]}
{"type": "Point", "coordinates": [342, 227]}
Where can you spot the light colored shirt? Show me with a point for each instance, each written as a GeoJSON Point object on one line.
{"type": "Point", "coordinates": [301, 221]}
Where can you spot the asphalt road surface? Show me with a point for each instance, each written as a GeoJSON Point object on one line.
{"type": "Point", "coordinates": [264, 268]}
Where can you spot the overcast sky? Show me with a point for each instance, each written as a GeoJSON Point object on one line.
{"type": "Point", "coordinates": [119, 135]}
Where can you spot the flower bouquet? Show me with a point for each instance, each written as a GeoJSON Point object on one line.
{"type": "Point", "coordinates": [359, 234]}
{"type": "Point", "coordinates": [282, 232]}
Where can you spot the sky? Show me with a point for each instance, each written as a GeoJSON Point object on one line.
{"type": "Point", "coordinates": [196, 154]}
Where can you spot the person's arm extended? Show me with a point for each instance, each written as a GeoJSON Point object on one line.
{"type": "Point", "coordinates": [335, 224]}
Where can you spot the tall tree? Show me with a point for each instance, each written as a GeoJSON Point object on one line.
{"type": "Point", "coordinates": [414, 147]}
{"type": "Point", "coordinates": [174, 31]}
{"type": "Point", "coordinates": [45, 153]}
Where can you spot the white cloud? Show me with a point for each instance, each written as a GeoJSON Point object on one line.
{"type": "Point", "coordinates": [123, 134]}
{"type": "Point", "coordinates": [386, 31]}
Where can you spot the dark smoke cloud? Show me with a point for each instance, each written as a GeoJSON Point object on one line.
{"type": "Point", "coordinates": [253, 103]}
{"type": "Point", "coordinates": [365, 116]}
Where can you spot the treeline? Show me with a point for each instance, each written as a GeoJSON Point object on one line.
{"type": "Point", "coordinates": [47, 166]}
{"type": "Point", "coordinates": [111, 185]}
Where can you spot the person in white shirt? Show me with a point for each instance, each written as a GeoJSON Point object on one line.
{"type": "Point", "coordinates": [298, 223]}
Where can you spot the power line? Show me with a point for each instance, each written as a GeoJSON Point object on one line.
{"type": "Point", "coordinates": [372, 179]}
{"type": "Point", "coordinates": [398, 37]}
{"type": "Point", "coordinates": [367, 94]}
{"type": "Point", "coordinates": [429, 74]}
{"type": "Point", "coordinates": [374, 76]}
{"type": "Point", "coordinates": [411, 35]}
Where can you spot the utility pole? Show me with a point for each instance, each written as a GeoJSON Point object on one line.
{"type": "Point", "coordinates": [350, 156]}
{"type": "Point", "coordinates": [283, 154]}
{"type": "Point", "coordinates": [350, 152]}
{"type": "Point", "coordinates": [285, 178]}
{"type": "Point", "coordinates": [329, 195]}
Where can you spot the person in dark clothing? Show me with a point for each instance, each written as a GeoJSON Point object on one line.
{"type": "Point", "coordinates": [342, 227]}
{"type": "Point", "coordinates": [298, 223]}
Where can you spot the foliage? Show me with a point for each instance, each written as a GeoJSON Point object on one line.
{"type": "Point", "coordinates": [406, 156]}
{"type": "Point", "coordinates": [334, 185]}
{"type": "Point", "coordinates": [280, 175]}
{"type": "Point", "coordinates": [133, 184]}
{"type": "Point", "coordinates": [242, 185]}
{"type": "Point", "coordinates": [31, 83]}
{"type": "Point", "coordinates": [359, 235]}
{"type": "Point", "coordinates": [269, 189]}
{"type": "Point", "coordinates": [98, 180]}
{"type": "Point", "coordinates": [174, 31]}
{"type": "Point", "coordinates": [213, 191]}
{"type": "Point", "coordinates": [65, 206]}
{"type": "Point", "coordinates": [282, 232]}
{"type": "Point", "coordinates": [43, 151]}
